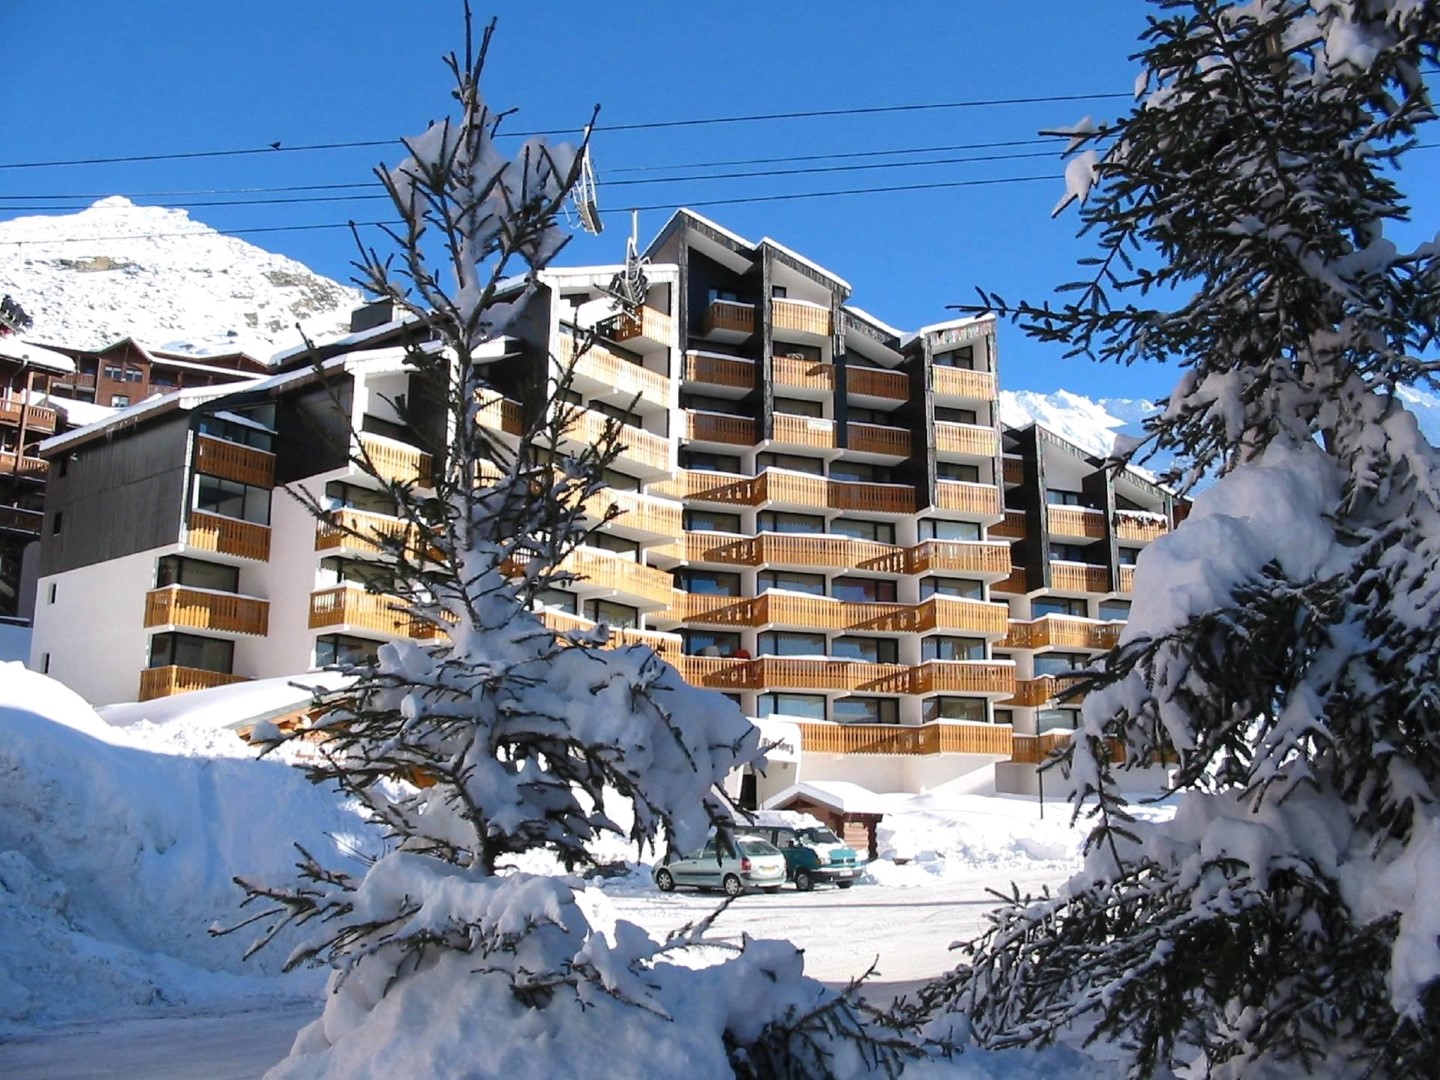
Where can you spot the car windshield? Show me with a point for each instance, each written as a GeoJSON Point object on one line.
{"type": "Point", "coordinates": [757, 847]}
{"type": "Point", "coordinates": [820, 836]}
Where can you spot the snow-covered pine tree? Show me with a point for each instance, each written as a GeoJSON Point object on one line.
{"type": "Point", "coordinates": [493, 736]}
{"type": "Point", "coordinates": [1282, 645]}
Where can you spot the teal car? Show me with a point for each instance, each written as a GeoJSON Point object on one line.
{"type": "Point", "coordinates": [814, 854]}
{"type": "Point", "coordinates": [751, 864]}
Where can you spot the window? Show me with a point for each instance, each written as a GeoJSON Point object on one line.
{"type": "Point", "coordinates": [793, 462]}
{"type": "Point", "coordinates": [621, 545]}
{"type": "Point", "coordinates": [63, 465]}
{"type": "Point", "coordinates": [871, 650]}
{"type": "Point", "coordinates": [371, 576]}
{"type": "Point", "coordinates": [862, 710]}
{"type": "Point", "coordinates": [777, 522]}
{"type": "Point", "coordinates": [708, 582]}
{"type": "Point", "coordinates": [557, 598]}
{"type": "Point", "coordinates": [951, 586]}
{"type": "Point", "coordinates": [710, 521]}
{"type": "Point", "coordinates": [779, 292]}
{"type": "Point", "coordinates": [860, 472]}
{"type": "Point", "coordinates": [969, 709]}
{"type": "Point", "coordinates": [857, 590]}
{"type": "Point", "coordinates": [1115, 610]}
{"type": "Point", "coordinates": [881, 532]}
{"type": "Point", "coordinates": [119, 401]}
{"type": "Point", "coordinates": [941, 647]}
{"type": "Point", "coordinates": [1060, 663]}
{"type": "Point", "coordinates": [1067, 552]}
{"type": "Point", "coordinates": [804, 706]}
{"type": "Point", "coordinates": [1056, 720]}
{"type": "Point", "coordinates": [192, 651]}
{"type": "Point", "coordinates": [707, 462]}
{"type": "Point", "coordinates": [615, 412]}
{"type": "Point", "coordinates": [1128, 556]}
{"type": "Point", "coordinates": [620, 481]}
{"type": "Point", "coordinates": [1004, 716]}
{"type": "Point", "coordinates": [707, 403]}
{"type": "Point", "coordinates": [956, 416]}
{"type": "Point", "coordinates": [724, 294]}
{"type": "Point", "coordinates": [233, 500]}
{"type": "Point", "coordinates": [789, 581]}
{"type": "Point", "coordinates": [1064, 498]}
{"type": "Point", "coordinates": [790, 350]}
{"type": "Point", "coordinates": [932, 529]}
{"type": "Point", "coordinates": [710, 643]}
{"type": "Point", "coordinates": [45, 663]}
{"type": "Point", "coordinates": [57, 523]}
{"type": "Point", "coordinates": [50, 593]}
{"type": "Point", "coordinates": [858, 414]}
{"type": "Point", "coordinates": [163, 380]}
{"type": "Point", "coordinates": [618, 616]}
{"type": "Point", "coordinates": [197, 574]}
{"type": "Point", "coordinates": [954, 470]}
{"type": "Point", "coordinates": [336, 649]}
{"type": "Point", "coordinates": [134, 374]}
{"type": "Point", "coordinates": [232, 430]}
{"type": "Point", "coordinates": [115, 371]}
{"type": "Point", "coordinates": [791, 643]}
{"type": "Point", "coordinates": [1057, 605]}
{"type": "Point", "coordinates": [340, 495]}
{"type": "Point", "coordinates": [963, 357]}
{"type": "Point", "coordinates": [799, 407]}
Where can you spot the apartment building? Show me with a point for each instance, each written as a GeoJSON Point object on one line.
{"type": "Point", "coordinates": [126, 371]}
{"type": "Point", "coordinates": [820, 517]}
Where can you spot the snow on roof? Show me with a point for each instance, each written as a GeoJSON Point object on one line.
{"type": "Point", "coordinates": [685, 211]}
{"type": "Point", "coordinates": [953, 324]}
{"type": "Point", "coordinates": [861, 313]}
{"type": "Point", "coordinates": [807, 262]}
{"type": "Point", "coordinates": [839, 795]}
{"type": "Point", "coordinates": [78, 413]}
{"type": "Point", "coordinates": [232, 706]}
{"type": "Point", "coordinates": [26, 354]}
{"type": "Point", "coordinates": [185, 398]}
{"type": "Point", "coordinates": [359, 337]}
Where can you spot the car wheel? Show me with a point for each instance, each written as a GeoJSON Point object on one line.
{"type": "Point", "coordinates": [803, 881]}
{"type": "Point", "coordinates": [844, 884]}
{"type": "Point", "coordinates": [732, 885]}
{"type": "Point", "coordinates": [664, 881]}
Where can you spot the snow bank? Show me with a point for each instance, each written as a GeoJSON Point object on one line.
{"type": "Point", "coordinates": [115, 860]}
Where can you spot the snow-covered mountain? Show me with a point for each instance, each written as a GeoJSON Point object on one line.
{"type": "Point", "coordinates": [116, 270]}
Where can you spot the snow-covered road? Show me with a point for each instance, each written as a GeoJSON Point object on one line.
{"type": "Point", "coordinates": [907, 929]}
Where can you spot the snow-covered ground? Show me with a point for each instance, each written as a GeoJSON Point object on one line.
{"type": "Point", "coordinates": [118, 845]}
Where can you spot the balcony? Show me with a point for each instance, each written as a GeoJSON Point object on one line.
{"type": "Point", "coordinates": [362, 533]}
{"type": "Point", "coordinates": [969, 440]}
{"type": "Point", "coordinates": [16, 519]}
{"type": "Point", "coordinates": [1036, 749]}
{"type": "Point", "coordinates": [666, 645]}
{"type": "Point", "coordinates": [197, 609]}
{"type": "Point", "coordinates": [636, 513]}
{"type": "Point", "coordinates": [228, 536]}
{"type": "Point", "coordinates": [603, 572]}
{"type": "Point", "coordinates": [1016, 582]}
{"type": "Point", "coordinates": [351, 607]}
{"type": "Point", "coordinates": [637, 446]}
{"type": "Point", "coordinates": [644, 331]}
{"type": "Point", "coordinates": [1062, 631]}
{"type": "Point", "coordinates": [22, 465]}
{"type": "Point", "coordinates": [808, 431]}
{"type": "Point", "coordinates": [962, 383]}
{"type": "Point", "coordinates": [1067, 521]}
{"type": "Point", "coordinates": [962, 556]}
{"type": "Point", "coordinates": [500, 414]}
{"type": "Point", "coordinates": [968, 498]}
{"type": "Point", "coordinates": [877, 383]}
{"type": "Point", "coordinates": [158, 682]}
{"type": "Point", "coordinates": [730, 372]}
{"type": "Point", "coordinates": [1014, 470]}
{"type": "Point", "coordinates": [786, 550]}
{"type": "Point", "coordinates": [397, 462]}
{"type": "Point", "coordinates": [1125, 579]}
{"type": "Point", "coordinates": [937, 738]}
{"type": "Point", "coordinates": [614, 375]}
{"type": "Point", "coordinates": [879, 439]}
{"type": "Point", "coordinates": [776, 486]}
{"type": "Point", "coordinates": [232, 461]}
{"type": "Point", "coordinates": [800, 317]}
{"type": "Point", "coordinates": [36, 418]}
{"type": "Point", "coordinates": [1079, 577]}
{"type": "Point", "coordinates": [847, 676]}
{"type": "Point", "coordinates": [1011, 528]}
{"type": "Point", "coordinates": [728, 320]}
{"type": "Point", "coordinates": [805, 374]}
{"type": "Point", "coordinates": [720, 428]}
{"type": "Point", "coordinates": [1140, 527]}
{"type": "Point", "coordinates": [825, 613]}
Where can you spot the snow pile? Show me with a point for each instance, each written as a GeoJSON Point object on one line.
{"type": "Point", "coordinates": [114, 860]}
{"type": "Point", "coordinates": [119, 270]}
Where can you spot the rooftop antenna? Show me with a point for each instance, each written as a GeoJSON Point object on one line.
{"type": "Point", "coordinates": [630, 285]}
{"type": "Point", "coordinates": [584, 196]}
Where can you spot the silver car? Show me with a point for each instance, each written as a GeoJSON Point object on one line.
{"type": "Point", "coordinates": [757, 864]}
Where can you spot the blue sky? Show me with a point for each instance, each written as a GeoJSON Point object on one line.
{"type": "Point", "coordinates": [89, 79]}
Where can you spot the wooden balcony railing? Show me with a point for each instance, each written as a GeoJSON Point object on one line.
{"type": "Point", "coordinates": [17, 519]}
{"type": "Point", "coordinates": [814, 673]}
{"type": "Point", "coordinates": [1079, 577]}
{"type": "Point", "coordinates": [1076, 521]}
{"type": "Point", "coordinates": [38, 419]}
{"type": "Point", "coordinates": [666, 645]}
{"type": "Point", "coordinates": [398, 462]}
{"type": "Point", "coordinates": [968, 498]}
{"type": "Point", "coordinates": [1062, 631]}
{"type": "Point", "coordinates": [229, 536]}
{"type": "Point", "coordinates": [960, 382]}
{"type": "Point", "coordinates": [1012, 528]}
{"type": "Point", "coordinates": [362, 531]}
{"type": "Point", "coordinates": [78, 380]}
{"type": "Point", "coordinates": [964, 556]}
{"type": "Point", "coordinates": [824, 613]}
{"type": "Point", "coordinates": [617, 574]}
{"type": "Point", "coordinates": [728, 316]}
{"type": "Point", "coordinates": [800, 317]}
{"type": "Point", "coordinates": [805, 374]}
{"type": "Point", "coordinates": [1017, 582]}
{"type": "Point", "coordinates": [623, 376]}
{"type": "Point", "coordinates": [641, 513]}
{"type": "Point", "coordinates": [809, 431]}
{"type": "Point", "coordinates": [175, 605]}
{"type": "Point", "coordinates": [500, 414]}
{"type": "Point", "coordinates": [1014, 470]}
{"type": "Point", "coordinates": [637, 445]}
{"type": "Point", "coordinates": [720, 370]}
{"type": "Point", "coordinates": [1035, 749]}
{"type": "Point", "coordinates": [1125, 579]}
{"type": "Point", "coordinates": [720, 428]}
{"type": "Point", "coordinates": [646, 324]}
{"type": "Point", "coordinates": [348, 605]}
{"type": "Point", "coordinates": [936, 738]}
{"type": "Point", "coordinates": [1032, 693]}
{"type": "Point", "coordinates": [158, 682]}
{"type": "Point", "coordinates": [877, 382]}
{"type": "Point", "coordinates": [879, 439]}
{"type": "Point", "coordinates": [972, 440]}
{"type": "Point", "coordinates": [782, 549]}
{"type": "Point", "coordinates": [1140, 527]}
{"type": "Point", "coordinates": [22, 465]}
{"type": "Point", "coordinates": [231, 461]}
